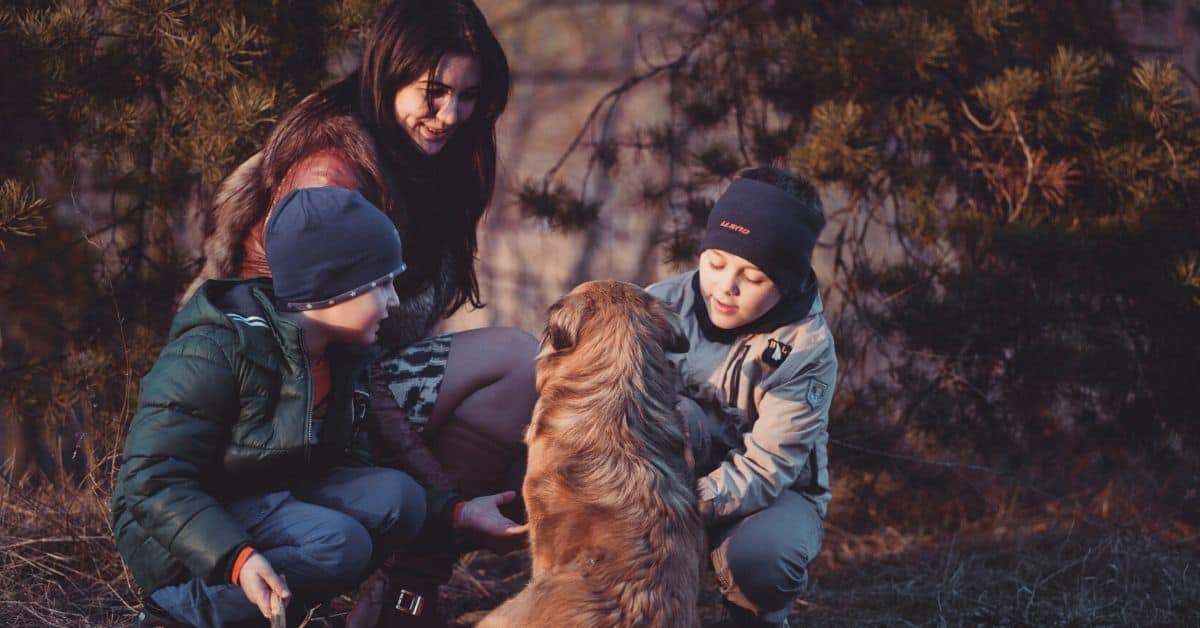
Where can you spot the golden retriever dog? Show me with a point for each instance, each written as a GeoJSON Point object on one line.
{"type": "Point", "coordinates": [614, 533]}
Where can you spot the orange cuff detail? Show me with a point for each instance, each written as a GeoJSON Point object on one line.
{"type": "Point", "coordinates": [240, 562]}
{"type": "Point", "coordinates": [455, 518]}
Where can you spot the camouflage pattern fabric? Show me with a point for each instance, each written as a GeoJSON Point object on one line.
{"type": "Point", "coordinates": [414, 376]}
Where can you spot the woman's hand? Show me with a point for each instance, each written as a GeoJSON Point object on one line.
{"type": "Point", "coordinates": [259, 580]}
{"type": "Point", "coordinates": [482, 514]}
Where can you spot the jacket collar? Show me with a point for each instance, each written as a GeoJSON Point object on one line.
{"type": "Point", "coordinates": [804, 303]}
{"type": "Point", "coordinates": [264, 337]}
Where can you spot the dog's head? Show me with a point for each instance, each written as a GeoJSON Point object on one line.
{"type": "Point", "coordinates": [604, 342]}
{"type": "Point", "coordinates": [595, 311]}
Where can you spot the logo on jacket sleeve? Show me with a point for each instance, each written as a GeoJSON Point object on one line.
{"type": "Point", "coordinates": [817, 392]}
{"type": "Point", "coordinates": [776, 352]}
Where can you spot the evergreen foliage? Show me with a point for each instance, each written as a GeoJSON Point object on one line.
{"type": "Point", "coordinates": [1013, 228]}
{"type": "Point", "coordinates": [121, 116]}
{"type": "Point", "coordinates": [1012, 197]}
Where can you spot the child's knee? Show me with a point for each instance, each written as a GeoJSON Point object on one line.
{"type": "Point", "coordinates": [766, 572]}
{"type": "Point", "coordinates": [402, 501]}
{"type": "Point", "coordinates": [342, 550]}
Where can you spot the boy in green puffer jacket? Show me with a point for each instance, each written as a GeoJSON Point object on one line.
{"type": "Point", "coordinates": [244, 474]}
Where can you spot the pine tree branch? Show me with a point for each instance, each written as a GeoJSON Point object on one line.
{"type": "Point", "coordinates": [1015, 211]}
{"type": "Point", "coordinates": [1183, 186]}
{"type": "Point", "coordinates": [611, 97]}
{"type": "Point", "coordinates": [986, 128]}
{"type": "Point", "coordinates": [119, 319]}
{"type": "Point", "coordinates": [614, 95]}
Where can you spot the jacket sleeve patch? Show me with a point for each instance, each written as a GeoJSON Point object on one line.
{"type": "Point", "coordinates": [817, 392]}
{"type": "Point", "coordinates": [776, 352]}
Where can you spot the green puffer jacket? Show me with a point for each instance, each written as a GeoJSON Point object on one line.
{"type": "Point", "coordinates": [225, 412]}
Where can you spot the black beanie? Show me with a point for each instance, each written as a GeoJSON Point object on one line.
{"type": "Point", "coordinates": [767, 227]}
{"type": "Point", "coordinates": [327, 245]}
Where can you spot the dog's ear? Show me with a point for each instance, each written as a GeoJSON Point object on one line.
{"type": "Point", "coordinates": [563, 322]}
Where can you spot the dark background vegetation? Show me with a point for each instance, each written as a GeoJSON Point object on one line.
{"type": "Point", "coordinates": [1012, 268]}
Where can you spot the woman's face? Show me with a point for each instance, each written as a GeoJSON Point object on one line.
{"type": "Point", "coordinates": [453, 90]}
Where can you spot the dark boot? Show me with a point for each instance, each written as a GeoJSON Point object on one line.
{"type": "Point", "coordinates": [368, 604]}
{"type": "Point", "coordinates": [410, 598]}
{"type": "Point", "coordinates": [743, 618]}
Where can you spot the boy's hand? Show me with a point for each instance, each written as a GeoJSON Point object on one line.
{"type": "Point", "coordinates": [483, 515]}
{"type": "Point", "coordinates": [258, 581]}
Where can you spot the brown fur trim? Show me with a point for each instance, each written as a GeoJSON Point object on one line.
{"type": "Point", "coordinates": [315, 124]}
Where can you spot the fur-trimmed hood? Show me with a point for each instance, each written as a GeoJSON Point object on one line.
{"type": "Point", "coordinates": [316, 124]}
{"type": "Point", "coordinates": [241, 201]}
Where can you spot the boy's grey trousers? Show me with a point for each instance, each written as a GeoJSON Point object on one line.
{"type": "Point", "coordinates": [323, 536]}
{"type": "Point", "coordinates": [761, 560]}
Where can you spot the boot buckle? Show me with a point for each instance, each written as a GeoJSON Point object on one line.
{"type": "Point", "coordinates": [410, 603]}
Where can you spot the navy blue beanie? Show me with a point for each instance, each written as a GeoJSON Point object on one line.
{"type": "Point", "coordinates": [767, 227]}
{"type": "Point", "coordinates": [327, 245]}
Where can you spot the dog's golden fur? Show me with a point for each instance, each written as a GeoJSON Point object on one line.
{"type": "Point", "coordinates": [615, 535]}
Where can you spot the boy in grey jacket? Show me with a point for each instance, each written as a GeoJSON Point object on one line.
{"type": "Point", "coordinates": [758, 380]}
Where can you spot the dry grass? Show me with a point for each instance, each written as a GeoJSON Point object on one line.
{"type": "Point", "coordinates": [1078, 576]}
{"type": "Point", "coordinates": [1074, 575]}
{"type": "Point", "coordinates": [1096, 558]}
{"type": "Point", "coordinates": [59, 566]}
{"type": "Point", "coordinates": [894, 555]}
{"type": "Point", "coordinates": [902, 551]}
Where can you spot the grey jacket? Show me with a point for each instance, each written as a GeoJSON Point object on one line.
{"type": "Point", "coordinates": [769, 396]}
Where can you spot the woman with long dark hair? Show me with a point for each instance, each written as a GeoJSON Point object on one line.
{"type": "Point", "coordinates": [413, 130]}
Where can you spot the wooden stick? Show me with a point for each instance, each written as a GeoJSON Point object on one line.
{"type": "Point", "coordinates": [278, 617]}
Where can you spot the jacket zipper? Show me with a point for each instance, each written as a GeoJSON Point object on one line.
{"type": "Point", "coordinates": [308, 416]}
{"type": "Point", "coordinates": [734, 375]}
{"type": "Point", "coordinates": [814, 486]}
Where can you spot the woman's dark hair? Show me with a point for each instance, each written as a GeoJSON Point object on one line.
{"type": "Point", "coordinates": [443, 196]}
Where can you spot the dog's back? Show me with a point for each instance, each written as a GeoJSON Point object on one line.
{"type": "Point", "coordinates": [614, 531]}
